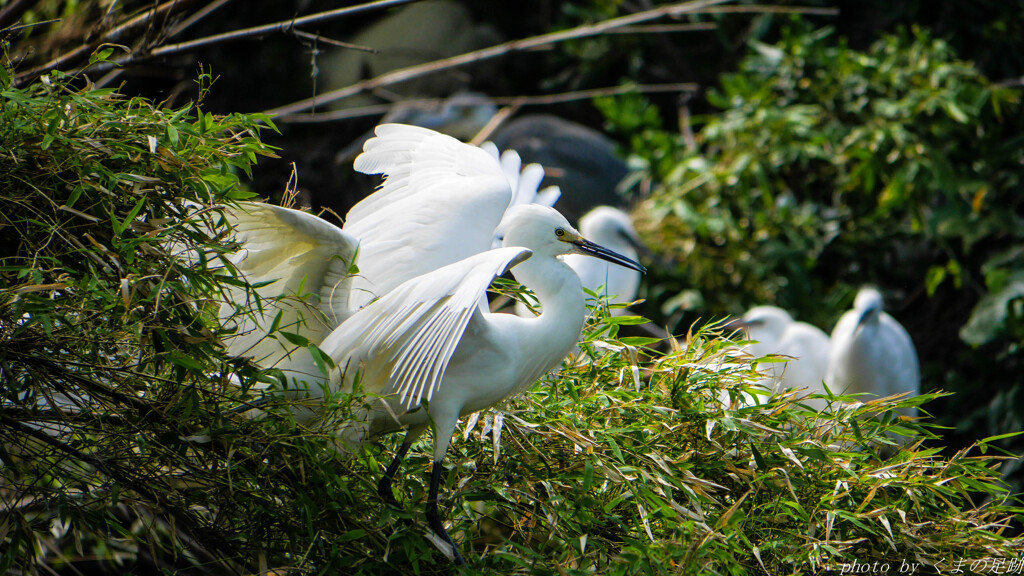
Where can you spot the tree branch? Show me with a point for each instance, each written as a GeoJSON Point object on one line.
{"type": "Point", "coordinates": [178, 29]}
{"type": "Point", "coordinates": [112, 35]}
{"type": "Point", "coordinates": [400, 75]}
{"type": "Point", "coordinates": [283, 26]}
{"type": "Point", "coordinates": [516, 101]}
{"type": "Point", "coordinates": [145, 53]}
{"type": "Point", "coordinates": [13, 11]}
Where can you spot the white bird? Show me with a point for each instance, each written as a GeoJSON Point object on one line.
{"type": "Point", "coordinates": [613, 229]}
{"type": "Point", "coordinates": [424, 352]}
{"type": "Point", "coordinates": [872, 352]}
{"type": "Point", "coordinates": [772, 330]}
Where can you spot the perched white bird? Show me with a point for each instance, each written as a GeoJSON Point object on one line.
{"type": "Point", "coordinates": [872, 352]}
{"type": "Point", "coordinates": [772, 330]}
{"type": "Point", "coordinates": [611, 228]}
{"type": "Point", "coordinates": [408, 330]}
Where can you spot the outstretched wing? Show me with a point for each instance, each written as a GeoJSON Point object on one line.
{"type": "Point", "coordinates": [524, 180]}
{"type": "Point", "coordinates": [403, 341]}
{"type": "Point", "coordinates": [299, 265]}
{"type": "Point", "coordinates": [440, 202]}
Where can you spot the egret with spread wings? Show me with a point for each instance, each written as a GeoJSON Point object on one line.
{"type": "Point", "coordinates": [410, 326]}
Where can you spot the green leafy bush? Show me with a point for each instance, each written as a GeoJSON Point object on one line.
{"type": "Point", "coordinates": [828, 168]}
{"type": "Point", "coordinates": [828, 165]}
{"type": "Point", "coordinates": [105, 352]}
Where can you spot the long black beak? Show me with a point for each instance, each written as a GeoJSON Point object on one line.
{"type": "Point", "coordinates": [867, 316]}
{"type": "Point", "coordinates": [597, 251]}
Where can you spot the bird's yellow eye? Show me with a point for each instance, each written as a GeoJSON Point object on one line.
{"type": "Point", "coordinates": [559, 232]}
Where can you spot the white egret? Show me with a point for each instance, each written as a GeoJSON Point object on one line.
{"type": "Point", "coordinates": [772, 330]}
{"type": "Point", "coordinates": [425, 351]}
{"type": "Point", "coordinates": [613, 229]}
{"type": "Point", "coordinates": [871, 352]}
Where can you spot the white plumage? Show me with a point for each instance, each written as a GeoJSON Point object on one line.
{"type": "Point", "coordinates": [871, 352]}
{"type": "Point", "coordinates": [410, 325]}
{"type": "Point", "coordinates": [773, 331]}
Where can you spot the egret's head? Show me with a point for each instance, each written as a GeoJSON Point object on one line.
{"type": "Point", "coordinates": [868, 298]}
{"type": "Point", "coordinates": [764, 323]}
{"type": "Point", "coordinates": [605, 224]}
{"type": "Point", "coordinates": [544, 231]}
{"type": "Point", "coordinates": [869, 304]}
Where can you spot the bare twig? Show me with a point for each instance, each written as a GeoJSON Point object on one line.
{"type": "Point", "coordinates": [13, 11]}
{"type": "Point", "coordinates": [332, 42]}
{"type": "Point", "coordinates": [199, 15]}
{"type": "Point", "coordinates": [10, 30]}
{"type": "Point", "coordinates": [665, 28]}
{"type": "Point", "coordinates": [768, 9]}
{"type": "Point", "coordinates": [400, 75]}
{"type": "Point", "coordinates": [515, 101]}
{"type": "Point", "coordinates": [112, 35]}
{"type": "Point", "coordinates": [277, 27]}
{"type": "Point", "coordinates": [145, 53]}
{"type": "Point", "coordinates": [181, 27]}
{"type": "Point", "coordinates": [1011, 82]}
{"type": "Point", "coordinates": [493, 124]}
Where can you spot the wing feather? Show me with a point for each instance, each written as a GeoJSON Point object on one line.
{"type": "Point", "coordinates": [440, 202]}
{"type": "Point", "coordinates": [409, 335]}
{"type": "Point", "coordinates": [300, 264]}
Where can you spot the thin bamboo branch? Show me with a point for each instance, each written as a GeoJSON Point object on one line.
{"type": "Point", "coordinates": [665, 28]}
{"type": "Point", "coordinates": [110, 36]}
{"type": "Point", "coordinates": [332, 42]}
{"type": "Point", "coordinates": [493, 124]}
{"type": "Point", "coordinates": [181, 27]}
{"type": "Point", "coordinates": [5, 32]}
{"type": "Point", "coordinates": [402, 74]}
{"type": "Point", "coordinates": [516, 101]}
{"type": "Point", "coordinates": [13, 11]}
{"type": "Point", "coordinates": [199, 15]}
{"type": "Point", "coordinates": [771, 9]}
{"type": "Point", "coordinates": [277, 27]}
{"type": "Point", "coordinates": [146, 54]}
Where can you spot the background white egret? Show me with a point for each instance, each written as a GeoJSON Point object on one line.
{"type": "Point", "coordinates": [773, 331]}
{"type": "Point", "coordinates": [871, 352]}
{"type": "Point", "coordinates": [424, 351]}
{"type": "Point", "coordinates": [612, 228]}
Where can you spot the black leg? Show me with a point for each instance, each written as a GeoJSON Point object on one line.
{"type": "Point", "coordinates": [433, 518]}
{"type": "Point", "coordinates": [384, 486]}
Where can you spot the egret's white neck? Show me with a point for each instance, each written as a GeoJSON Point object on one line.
{"type": "Point", "coordinates": [552, 335]}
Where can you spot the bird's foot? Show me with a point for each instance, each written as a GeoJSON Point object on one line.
{"type": "Point", "coordinates": [439, 538]}
{"type": "Point", "coordinates": [440, 534]}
